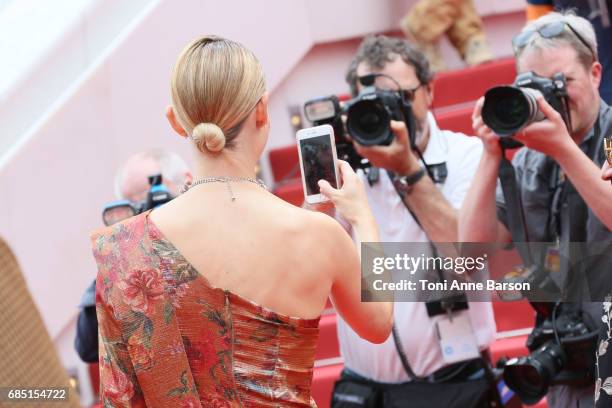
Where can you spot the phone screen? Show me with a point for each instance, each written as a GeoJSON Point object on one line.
{"type": "Point", "coordinates": [318, 161]}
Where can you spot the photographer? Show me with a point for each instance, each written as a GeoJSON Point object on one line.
{"type": "Point", "coordinates": [410, 206]}
{"type": "Point", "coordinates": [557, 172]}
{"type": "Point", "coordinates": [132, 184]}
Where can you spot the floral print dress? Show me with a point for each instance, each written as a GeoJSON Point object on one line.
{"type": "Point", "coordinates": [603, 386]}
{"type": "Point", "coordinates": [170, 339]}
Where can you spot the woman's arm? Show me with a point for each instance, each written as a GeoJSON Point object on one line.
{"type": "Point", "coordinates": [371, 320]}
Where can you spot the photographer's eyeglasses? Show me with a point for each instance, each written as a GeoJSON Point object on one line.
{"type": "Point", "coordinates": [385, 82]}
{"type": "Point", "coordinates": [550, 30]}
{"type": "Point", "coordinates": [409, 94]}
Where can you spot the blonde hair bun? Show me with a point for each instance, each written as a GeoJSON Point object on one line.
{"type": "Point", "coordinates": [209, 135]}
{"type": "Point", "coordinates": [216, 84]}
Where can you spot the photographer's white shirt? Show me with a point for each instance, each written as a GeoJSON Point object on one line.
{"type": "Point", "coordinates": [381, 362]}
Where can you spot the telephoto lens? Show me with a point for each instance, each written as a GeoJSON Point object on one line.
{"type": "Point", "coordinates": [508, 109]}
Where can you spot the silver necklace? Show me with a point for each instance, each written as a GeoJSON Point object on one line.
{"type": "Point", "coordinates": [227, 181]}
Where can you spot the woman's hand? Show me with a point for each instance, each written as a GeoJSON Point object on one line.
{"type": "Point", "coordinates": [350, 200]}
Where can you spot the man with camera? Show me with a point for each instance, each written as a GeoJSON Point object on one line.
{"type": "Point", "coordinates": [417, 182]}
{"type": "Point", "coordinates": [559, 196]}
{"type": "Point", "coordinates": [136, 193]}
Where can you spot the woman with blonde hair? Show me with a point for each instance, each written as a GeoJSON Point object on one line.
{"type": "Point", "coordinates": [214, 299]}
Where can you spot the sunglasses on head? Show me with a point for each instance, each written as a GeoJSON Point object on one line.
{"type": "Point", "coordinates": [550, 30]}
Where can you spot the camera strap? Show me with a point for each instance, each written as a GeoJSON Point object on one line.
{"type": "Point", "coordinates": [434, 250]}
{"type": "Point", "coordinates": [544, 285]}
{"type": "Point", "coordinates": [403, 359]}
{"type": "Point", "coordinates": [514, 208]}
{"type": "Point", "coordinates": [412, 130]}
{"type": "Point", "coordinates": [396, 338]}
{"type": "Point", "coordinates": [573, 214]}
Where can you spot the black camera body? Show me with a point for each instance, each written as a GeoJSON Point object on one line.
{"type": "Point", "coordinates": [327, 110]}
{"type": "Point", "coordinates": [562, 351]}
{"type": "Point", "coordinates": [121, 209]}
{"type": "Point", "coordinates": [368, 116]}
{"type": "Point", "coordinates": [509, 109]}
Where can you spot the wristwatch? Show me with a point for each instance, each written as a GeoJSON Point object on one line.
{"type": "Point", "coordinates": [404, 184]}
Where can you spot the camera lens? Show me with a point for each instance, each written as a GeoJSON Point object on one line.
{"type": "Point", "coordinates": [118, 211]}
{"type": "Point", "coordinates": [508, 109]}
{"type": "Point", "coordinates": [368, 122]}
{"type": "Point", "coordinates": [529, 377]}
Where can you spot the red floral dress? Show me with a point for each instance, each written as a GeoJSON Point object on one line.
{"type": "Point", "coordinates": [170, 339]}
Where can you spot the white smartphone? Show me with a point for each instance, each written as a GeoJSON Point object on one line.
{"type": "Point", "coordinates": [318, 160]}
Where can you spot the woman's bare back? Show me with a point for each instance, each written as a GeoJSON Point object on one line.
{"type": "Point", "coordinates": [258, 246]}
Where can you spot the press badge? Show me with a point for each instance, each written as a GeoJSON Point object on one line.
{"type": "Point", "coordinates": [457, 339]}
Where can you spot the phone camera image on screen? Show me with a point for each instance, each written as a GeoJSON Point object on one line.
{"type": "Point", "coordinates": [318, 160]}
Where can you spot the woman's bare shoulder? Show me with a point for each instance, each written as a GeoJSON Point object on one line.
{"type": "Point", "coordinates": [317, 223]}
{"type": "Point", "coordinates": [320, 232]}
